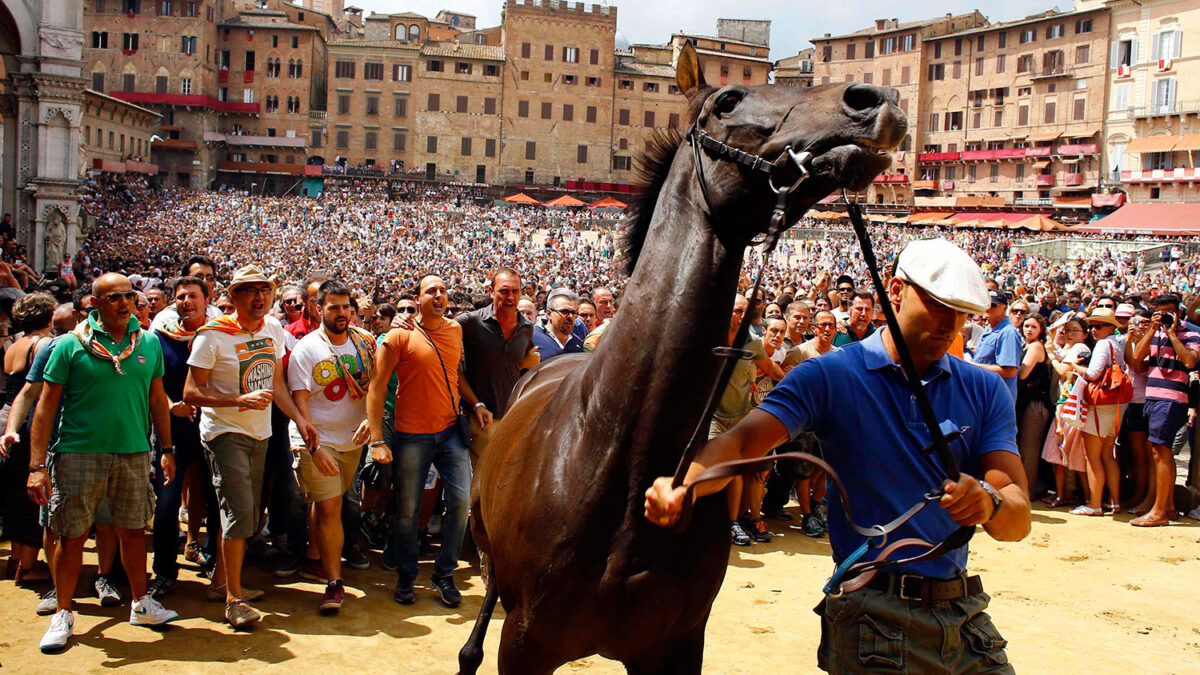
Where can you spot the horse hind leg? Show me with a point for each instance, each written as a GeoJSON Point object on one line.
{"type": "Point", "coordinates": [683, 656]}
{"type": "Point", "coordinates": [471, 655]}
{"type": "Point", "coordinates": [521, 653]}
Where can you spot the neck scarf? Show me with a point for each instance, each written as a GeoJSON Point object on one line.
{"type": "Point", "coordinates": [364, 346]}
{"type": "Point", "coordinates": [86, 334]}
{"type": "Point", "coordinates": [174, 329]}
{"type": "Point", "coordinates": [225, 324]}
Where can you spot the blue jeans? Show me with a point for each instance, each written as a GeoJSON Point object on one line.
{"type": "Point", "coordinates": [188, 453]}
{"type": "Point", "coordinates": [412, 456]}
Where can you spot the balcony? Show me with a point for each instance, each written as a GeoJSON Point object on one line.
{"type": "Point", "coordinates": [937, 156]}
{"type": "Point", "coordinates": [273, 168]}
{"type": "Point", "coordinates": [1051, 74]}
{"type": "Point", "coordinates": [244, 140]}
{"type": "Point", "coordinates": [891, 178]}
{"type": "Point", "coordinates": [1044, 180]}
{"type": "Point", "coordinates": [1180, 108]}
{"type": "Point", "coordinates": [1180, 175]}
{"type": "Point", "coordinates": [1078, 150]}
{"type": "Point", "coordinates": [183, 144]}
{"type": "Point", "coordinates": [1072, 179]}
{"type": "Point", "coordinates": [1040, 151]}
{"type": "Point", "coordinates": [316, 115]}
{"type": "Point", "coordinates": [924, 184]}
{"type": "Point", "coordinates": [186, 100]}
{"type": "Point", "coordinates": [947, 185]}
{"type": "Point", "coordinates": [223, 75]}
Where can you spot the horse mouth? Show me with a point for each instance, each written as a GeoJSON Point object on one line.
{"type": "Point", "coordinates": [852, 165]}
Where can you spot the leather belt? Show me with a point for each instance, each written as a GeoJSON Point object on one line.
{"type": "Point", "coordinates": [925, 589]}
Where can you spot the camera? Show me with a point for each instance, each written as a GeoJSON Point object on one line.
{"type": "Point", "coordinates": [1168, 320]}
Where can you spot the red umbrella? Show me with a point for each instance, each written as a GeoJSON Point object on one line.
{"type": "Point", "coordinates": [609, 203]}
{"type": "Point", "coordinates": [521, 198]}
{"type": "Point", "coordinates": [565, 200]}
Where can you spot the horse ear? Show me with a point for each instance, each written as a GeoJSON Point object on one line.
{"type": "Point", "coordinates": [687, 70]}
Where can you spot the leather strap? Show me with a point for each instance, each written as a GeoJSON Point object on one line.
{"type": "Point", "coordinates": [926, 590]}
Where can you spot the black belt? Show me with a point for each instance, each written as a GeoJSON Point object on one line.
{"type": "Point", "coordinates": [925, 589]}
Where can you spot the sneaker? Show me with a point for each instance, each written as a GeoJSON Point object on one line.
{"type": "Point", "coordinates": [149, 612]}
{"type": "Point", "coordinates": [387, 559]}
{"type": "Point", "coordinates": [821, 511]}
{"type": "Point", "coordinates": [108, 594]}
{"type": "Point", "coordinates": [758, 531]}
{"type": "Point", "coordinates": [217, 593]}
{"type": "Point", "coordinates": [288, 565]}
{"type": "Point", "coordinates": [191, 552]}
{"type": "Point", "coordinates": [434, 527]}
{"type": "Point", "coordinates": [313, 571]}
{"type": "Point", "coordinates": [335, 592]}
{"type": "Point", "coordinates": [48, 604]}
{"type": "Point", "coordinates": [404, 592]}
{"type": "Point", "coordinates": [208, 567]}
{"type": "Point", "coordinates": [447, 591]}
{"type": "Point", "coordinates": [240, 614]}
{"type": "Point", "coordinates": [374, 530]}
{"type": "Point", "coordinates": [159, 587]}
{"type": "Point", "coordinates": [811, 525]}
{"type": "Point", "coordinates": [740, 538]}
{"type": "Point", "coordinates": [62, 627]}
{"type": "Point", "coordinates": [1194, 514]}
{"type": "Point", "coordinates": [355, 559]}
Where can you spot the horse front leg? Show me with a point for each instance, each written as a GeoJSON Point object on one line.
{"type": "Point", "coordinates": [682, 656]}
{"type": "Point", "coordinates": [471, 655]}
{"type": "Point", "coordinates": [521, 653]}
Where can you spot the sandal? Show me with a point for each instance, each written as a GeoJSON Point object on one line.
{"type": "Point", "coordinates": [1085, 510]}
{"type": "Point", "coordinates": [1057, 502]}
{"type": "Point", "coordinates": [1145, 521]}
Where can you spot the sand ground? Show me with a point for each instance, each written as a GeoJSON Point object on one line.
{"type": "Point", "coordinates": [1079, 595]}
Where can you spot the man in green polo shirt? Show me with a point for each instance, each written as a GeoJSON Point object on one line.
{"type": "Point", "coordinates": [107, 374]}
{"type": "Point", "coordinates": [858, 324]}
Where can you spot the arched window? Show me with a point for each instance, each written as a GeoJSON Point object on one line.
{"type": "Point", "coordinates": [414, 33]}
{"type": "Point", "coordinates": [401, 31]}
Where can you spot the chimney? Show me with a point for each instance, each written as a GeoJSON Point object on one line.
{"type": "Point", "coordinates": [880, 24]}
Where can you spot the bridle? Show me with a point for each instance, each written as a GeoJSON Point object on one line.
{"type": "Point", "coordinates": [853, 572]}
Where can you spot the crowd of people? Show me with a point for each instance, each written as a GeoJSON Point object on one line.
{"type": "Point", "coordinates": [306, 381]}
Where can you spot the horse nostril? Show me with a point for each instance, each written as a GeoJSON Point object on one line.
{"type": "Point", "coordinates": [867, 97]}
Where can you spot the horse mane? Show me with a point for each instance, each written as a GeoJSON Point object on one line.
{"type": "Point", "coordinates": [653, 167]}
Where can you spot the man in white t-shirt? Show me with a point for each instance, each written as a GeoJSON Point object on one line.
{"type": "Point", "coordinates": [233, 377]}
{"type": "Point", "coordinates": [328, 375]}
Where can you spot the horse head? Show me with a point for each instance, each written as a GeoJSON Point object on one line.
{"type": "Point", "coordinates": [847, 130]}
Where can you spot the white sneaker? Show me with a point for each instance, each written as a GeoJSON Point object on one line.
{"type": "Point", "coordinates": [1194, 514]}
{"type": "Point", "coordinates": [62, 627]}
{"type": "Point", "coordinates": [149, 612]}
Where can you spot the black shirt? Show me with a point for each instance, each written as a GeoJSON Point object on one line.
{"type": "Point", "coordinates": [492, 363]}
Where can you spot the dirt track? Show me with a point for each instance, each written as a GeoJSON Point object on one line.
{"type": "Point", "coordinates": [1081, 595]}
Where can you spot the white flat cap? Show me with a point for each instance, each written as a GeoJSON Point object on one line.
{"type": "Point", "coordinates": [946, 273]}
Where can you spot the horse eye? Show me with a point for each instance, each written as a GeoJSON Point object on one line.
{"type": "Point", "coordinates": [726, 102]}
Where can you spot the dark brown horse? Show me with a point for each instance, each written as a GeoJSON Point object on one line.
{"type": "Point", "coordinates": [557, 497]}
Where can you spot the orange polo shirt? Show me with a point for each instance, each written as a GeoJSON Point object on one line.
{"type": "Point", "coordinates": [424, 404]}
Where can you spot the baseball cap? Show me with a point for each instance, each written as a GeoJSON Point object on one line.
{"type": "Point", "coordinates": [997, 297]}
{"type": "Point", "coordinates": [946, 273]}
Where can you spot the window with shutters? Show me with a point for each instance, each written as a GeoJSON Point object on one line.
{"type": "Point", "coordinates": [489, 147]}
{"type": "Point", "coordinates": [99, 40]}
{"type": "Point", "coordinates": [908, 43]}
{"type": "Point", "coordinates": [490, 70]}
{"type": "Point", "coordinates": [648, 118]}
{"type": "Point", "coordinates": [1001, 40]}
{"type": "Point", "coordinates": [850, 49]}
{"type": "Point", "coordinates": [129, 42]}
{"type": "Point", "coordinates": [343, 70]}
{"type": "Point", "coordinates": [937, 71]}
{"type": "Point", "coordinates": [525, 49]}
{"type": "Point", "coordinates": [460, 104]}
{"type": "Point", "coordinates": [489, 106]}
{"type": "Point", "coordinates": [1083, 53]}
{"type": "Point", "coordinates": [399, 141]}
{"type": "Point", "coordinates": [188, 44]}
{"type": "Point", "coordinates": [1121, 96]}
{"type": "Point", "coordinates": [434, 103]}
{"type": "Point", "coordinates": [1056, 31]}
{"type": "Point", "coordinates": [651, 87]}
{"type": "Point", "coordinates": [569, 79]}
{"type": "Point", "coordinates": [593, 82]}
{"type": "Point", "coordinates": [621, 162]}
{"type": "Point", "coordinates": [343, 101]}
{"type": "Point", "coordinates": [594, 57]}
{"type": "Point", "coordinates": [590, 118]}
{"type": "Point", "coordinates": [530, 150]}
{"type": "Point", "coordinates": [673, 120]}
{"type": "Point", "coordinates": [1078, 110]}
{"type": "Point", "coordinates": [372, 71]}
{"type": "Point", "coordinates": [435, 66]}
{"type": "Point", "coordinates": [160, 84]}
{"type": "Point", "coordinates": [885, 77]}
{"type": "Point", "coordinates": [522, 108]}
{"type": "Point", "coordinates": [372, 105]}
{"type": "Point", "coordinates": [1124, 53]}
{"type": "Point", "coordinates": [371, 140]}
{"type": "Point", "coordinates": [546, 110]}
{"type": "Point", "coordinates": [1162, 95]}
{"type": "Point", "coordinates": [623, 117]}
{"type": "Point", "coordinates": [980, 43]}
{"type": "Point", "coordinates": [1083, 26]}
{"type": "Point", "coordinates": [401, 73]}
{"type": "Point", "coordinates": [466, 146]}
{"type": "Point", "coordinates": [185, 88]}
{"type": "Point", "coordinates": [1025, 63]}
{"type": "Point", "coordinates": [905, 74]}
{"type": "Point", "coordinates": [1023, 116]}
{"type": "Point", "coordinates": [431, 144]}
{"type": "Point", "coordinates": [971, 172]}
{"type": "Point", "coordinates": [979, 66]}
{"type": "Point", "coordinates": [400, 106]}
{"type": "Point", "coordinates": [581, 154]}
{"type": "Point", "coordinates": [1167, 44]}
{"type": "Point", "coordinates": [1051, 108]}
{"type": "Point", "coordinates": [954, 121]}
{"type": "Point", "coordinates": [868, 77]}
{"type": "Point", "coordinates": [128, 82]}
{"type": "Point", "coordinates": [343, 139]}
{"type": "Point", "coordinates": [976, 120]}
{"type": "Point", "coordinates": [568, 112]}
{"type": "Point", "coordinates": [999, 121]}
{"type": "Point", "coordinates": [548, 53]}
{"type": "Point", "coordinates": [995, 173]}
{"type": "Point", "coordinates": [570, 54]}
{"type": "Point", "coordinates": [272, 67]}
{"type": "Point", "coordinates": [958, 46]}
{"type": "Point", "coordinates": [933, 122]}
{"type": "Point", "coordinates": [826, 54]}
{"type": "Point", "coordinates": [623, 143]}
{"type": "Point", "coordinates": [904, 105]}
{"type": "Point", "coordinates": [957, 69]}
{"type": "Point", "coordinates": [869, 50]}
{"type": "Point", "coordinates": [1028, 36]}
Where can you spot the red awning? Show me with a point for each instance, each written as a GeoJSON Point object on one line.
{"type": "Point", "coordinates": [565, 200]}
{"type": "Point", "coordinates": [108, 165]}
{"type": "Point", "coordinates": [1156, 219]}
{"type": "Point", "coordinates": [521, 198]}
{"type": "Point", "coordinates": [1103, 200]}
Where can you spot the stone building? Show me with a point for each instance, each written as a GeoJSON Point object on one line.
{"type": "Point", "coordinates": [371, 107]}
{"type": "Point", "coordinates": [458, 106]}
{"type": "Point", "coordinates": [116, 135]}
{"type": "Point", "coordinates": [41, 124]}
{"type": "Point", "coordinates": [795, 71]}
{"type": "Point", "coordinates": [888, 54]}
{"type": "Point", "coordinates": [1012, 113]}
{"type": "Point", "coordinates": [1152, 128]}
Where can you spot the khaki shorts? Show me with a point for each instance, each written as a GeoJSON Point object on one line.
{"type": "Point", "coordinates": [1102, 420]}
{"type": "Point", "coordinates": [237, 462]}
{"type": "Point", "coordinates": [720, 425]}
{"type": "Point", "coordinates": [316, 486]}
{"type": "Point", "coordinates": [83, 481]}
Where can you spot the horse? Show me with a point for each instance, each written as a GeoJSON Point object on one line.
{"type": "Point", "coordinates": [557, 496]}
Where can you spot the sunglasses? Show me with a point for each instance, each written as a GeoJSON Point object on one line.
{"type": "Point", "coordinates": [1018, 311]}
{"type": "Point", "coordinates": [845, 289]}
{"type": "Point", "coordinates": [825, 325]}
{"type": "Point", "coordinates": [564, 312]}
{"type": "Point", "coordinates": [406, 310]}
{"type": "Point", "coordinates": [119, 296]}
{"type": "Point", "coordinates": [293, 301]}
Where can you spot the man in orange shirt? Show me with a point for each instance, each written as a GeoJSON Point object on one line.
{"type": "Point", "coordinates": [426, 360]}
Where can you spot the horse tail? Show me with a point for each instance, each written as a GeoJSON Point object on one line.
{"type": "Point", "coordinates": [471, 655]}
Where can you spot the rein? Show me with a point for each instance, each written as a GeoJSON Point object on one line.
{"type": "Point", "coordinates": [853, 572]}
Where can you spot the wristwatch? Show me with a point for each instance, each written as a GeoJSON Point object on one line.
{"type": "Point", "coordinates": [480, 404]}
{"type": "Point", "coordinates": [39, 467]}
{"type": "Point", "coordinates": [376, 444]}
{"type": "Point", "coordinates": [168, 450]}
{"type": "Point", "coordinates": [997, 499]}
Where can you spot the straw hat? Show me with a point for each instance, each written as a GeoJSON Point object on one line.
{"type": "Point", "coordinates": [1104, 315]}
{"type": "Point", "coordinates": [250, 274]}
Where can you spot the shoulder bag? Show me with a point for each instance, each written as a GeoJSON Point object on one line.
{"type": "Point", "coordinates": [464, 427]}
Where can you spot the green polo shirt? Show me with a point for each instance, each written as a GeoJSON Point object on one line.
{"type": "Point", "coordinates": [103, 411]}
{"type": "Point", "coordinates": [848, 338]}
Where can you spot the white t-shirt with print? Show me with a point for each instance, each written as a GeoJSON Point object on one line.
{"type": "Point", "coordinates": [240, 364]}
{"type": "Point", "coordinates": [334, 413]}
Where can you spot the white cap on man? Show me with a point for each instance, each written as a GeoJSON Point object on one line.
{"type": "Point", "coordinates": [946, 273]}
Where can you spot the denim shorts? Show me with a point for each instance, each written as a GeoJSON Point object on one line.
{"type": "Point", "coordinates": [1164, 419]}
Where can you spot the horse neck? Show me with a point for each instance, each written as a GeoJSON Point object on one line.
{"type": "Point", "coordinates": [659, 366]}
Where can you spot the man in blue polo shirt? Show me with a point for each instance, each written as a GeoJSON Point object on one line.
{"type": "Point", "coordinates": [856, 401]}
{"type": "Point", "coordinates": [999, 350]}
{"type": "Point", "coordinates": [555, 336]}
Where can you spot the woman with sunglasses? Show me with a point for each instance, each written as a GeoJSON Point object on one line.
{"type": "Point", "coordinates": [1100, 429]}
{"type": "Point", "coordinates": [1034, 404]}
{"type": "Point", "coordinates": [1064, 445]}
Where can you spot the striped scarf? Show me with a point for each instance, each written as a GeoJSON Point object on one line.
{"type": "Point", "coordinates": [364, 345]}
{"type": "Point", "coordinates": [174, 329]}
{"type": "Point", "coordinates": [225, 324]}
{"type": "Point", "coordinates": [85, 332]}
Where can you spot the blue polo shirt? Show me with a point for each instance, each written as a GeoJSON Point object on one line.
{"type": "Point", "coordinates": [856, 402]}
{"type": "Point", "coordinates": [1002, 346]}
{"type": "Point", "coordinates": [549, 348]}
